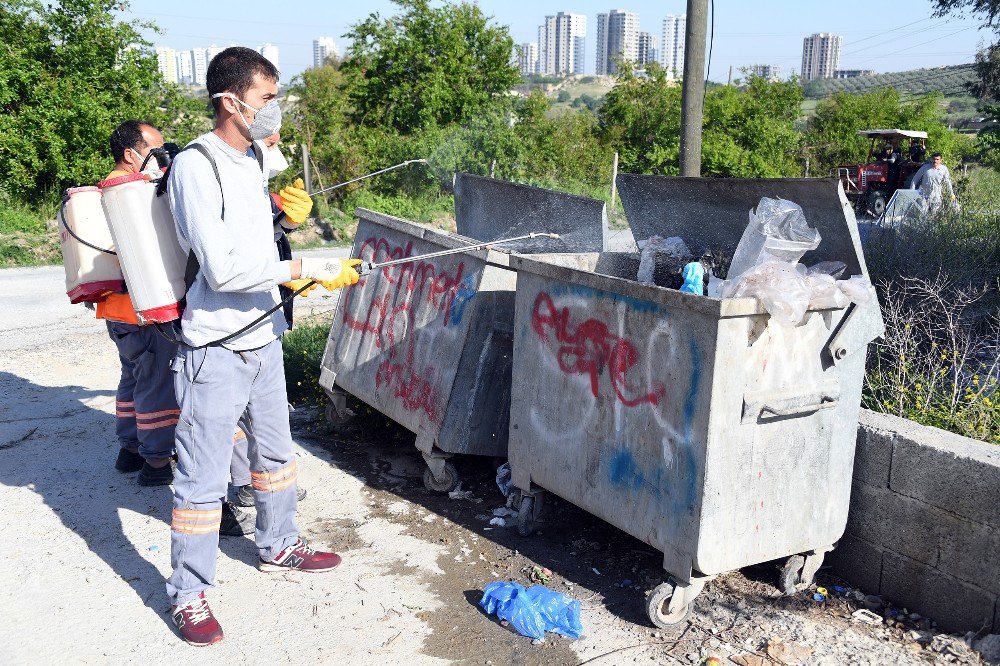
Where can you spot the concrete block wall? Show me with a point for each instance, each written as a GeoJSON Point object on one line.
{"type": "Point", "coordinates": [924, 524]}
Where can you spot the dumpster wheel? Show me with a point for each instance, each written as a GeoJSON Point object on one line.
{"type": "Point", "coordinates": [799, 571]}
{"type": "Point", "coordinates": [662, 612]}
{"type": "Point", "coordinates": [527, 512]}
{"type": "Point", "coordinates": [448, 482]}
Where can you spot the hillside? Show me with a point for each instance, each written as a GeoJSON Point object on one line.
{"type": "Point", "coordinates": [949, 80]}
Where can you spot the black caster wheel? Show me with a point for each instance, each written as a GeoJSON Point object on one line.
{"type": "Point", "coordinates": [445, 485]}
{"type": "Point", "coordinates": [658, 607]}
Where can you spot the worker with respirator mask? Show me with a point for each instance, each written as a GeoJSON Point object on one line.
{"type": "Point", "coordinates": [223, 218]}
{"type": "Point", "coordinates": [145, 408]}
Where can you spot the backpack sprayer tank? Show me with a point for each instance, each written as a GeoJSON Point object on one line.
{"type": "Point", "coordinates": [151, 258]}
{"type": "Point", "coordinates": [92, 270]}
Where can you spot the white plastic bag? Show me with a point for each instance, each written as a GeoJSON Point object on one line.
{"type": "Point", "coordinates": [777, 231]}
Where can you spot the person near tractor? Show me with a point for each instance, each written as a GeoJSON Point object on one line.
{"type": "Point", "coordinates": [932, 178]}
{"type": "Point", "coordinates": [917, 151]}
{"type": "Point", "coordinates": [223, 218]}
{"type": "Point", "coordinates": [892, 157]}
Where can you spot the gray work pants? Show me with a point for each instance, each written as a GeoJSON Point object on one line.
{"type": "Point", "coordinates": [216, 389]}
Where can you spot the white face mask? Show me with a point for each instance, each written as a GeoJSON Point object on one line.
{"type": "Point", "coordinates": [152, 167]}
{"type": "Point", "coordinates": [276, 162]}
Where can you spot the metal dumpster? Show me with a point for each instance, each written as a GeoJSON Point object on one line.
{"type": "Point", "coordinates": [429, 343]}
{"type": "Point", "coordinates": [695, 424]}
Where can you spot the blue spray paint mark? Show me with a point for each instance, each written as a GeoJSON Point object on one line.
{"type": "Point", "coordinates": [625, 473]}
{"type": "Point", "coordinates": [466, 290]}
{"type": "Point", "coordinates": [635, 304]}
{"type": "Point", "coordinates": [690, 405]}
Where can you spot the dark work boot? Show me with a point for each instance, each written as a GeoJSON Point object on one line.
{"type": "Point", "coordinates": [235, 522]}
{"type": "Point", "coordinates": [155, 476]}
{"type": "Point", "coordinates": [128, 461]}
{"type": "Point", "coordinates": [244, 496]}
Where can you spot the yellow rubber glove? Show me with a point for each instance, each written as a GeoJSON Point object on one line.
{"type": "Point", "coordinates": [331, 273]}
{"type": "Point", "coordinates": [295, 285]}
{"type": "Point", "coordinates": [296, 202]}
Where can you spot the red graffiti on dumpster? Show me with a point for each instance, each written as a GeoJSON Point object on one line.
{"type": "Point", "coordinates": [590, 349]}
{"type": "Point", "coordinates": [391, 323]}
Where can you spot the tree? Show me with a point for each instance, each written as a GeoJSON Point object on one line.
{"type": "Point", "coordinates": [988, 60]}
{"type": "Point", "coordinates": [70, 71]}
{"type": "Point", "coordinates": [428, 66]}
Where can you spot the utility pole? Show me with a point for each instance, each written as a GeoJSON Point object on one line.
{"type": "Point", "coordinates": [693, 96]}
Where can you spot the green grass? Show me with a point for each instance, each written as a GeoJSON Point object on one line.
{"type": "Point", "coordinates": [25, 239]}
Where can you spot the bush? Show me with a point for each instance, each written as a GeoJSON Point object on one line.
{"type": "Point", "coordinates": [303, 350]}
{"type": "Point", "coordinates": [933, 367]}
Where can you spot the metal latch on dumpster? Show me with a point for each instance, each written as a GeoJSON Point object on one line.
{"type": "Point", "coordinates": [774, 403]}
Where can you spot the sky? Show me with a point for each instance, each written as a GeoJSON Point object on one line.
{"type": "Point", "coordinates": [884, 35]}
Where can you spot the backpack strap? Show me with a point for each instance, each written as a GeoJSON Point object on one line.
{"type": "Point", "coordinates": [192, 267]}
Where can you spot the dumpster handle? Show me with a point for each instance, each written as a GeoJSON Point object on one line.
{"type": "Point", "coordinates": [826, 402]}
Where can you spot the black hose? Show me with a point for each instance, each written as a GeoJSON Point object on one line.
{"type": "Point", "coordinates": [62, 218]}
{"type": "Point", "coordinates": [258, 320]}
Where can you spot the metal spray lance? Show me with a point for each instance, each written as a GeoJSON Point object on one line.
{"type": "Point", "coordinates": [367, 267]}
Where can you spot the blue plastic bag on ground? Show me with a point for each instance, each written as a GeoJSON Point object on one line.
{"type": "Point", "coordinates": [533, 611]}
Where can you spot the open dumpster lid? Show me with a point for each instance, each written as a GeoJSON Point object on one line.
{"type": "Point", "coordinates": [488, 209]}
{"type": "Point", "coordinates": [710, 214]}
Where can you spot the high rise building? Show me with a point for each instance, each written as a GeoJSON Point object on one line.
{"type": "Point", "coordinates": [672, 46]}
{"type": "Point", "coordinates": [199, 64]}
{"type": "Point", "coordinates": [270, 51]}
{"type": "Point", "coordinates": [562, 44]}
{"type": "Point", "coordinates": [769, 72]}
{"type": "Point", "coordinates": [820, 56]}
{"type": "Point", "coordinates": [185, 73]}
{"type": "Point", "coordinates": [211, 52]}
{"type": "Point", "coordinates": [617, 40]}
{"type": "Point", "coordinates": [647, 49]}
{"type": "Point", "coordinates": [852, 73]}
{"type": "Point", "coordinates": [527, 58]}
{"type": "Point", "coordinates": [323, 48]}
{"type": "Point", "coordinates": [166, 61]}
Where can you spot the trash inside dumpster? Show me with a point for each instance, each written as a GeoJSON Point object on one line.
{"type": "Point", "coordinates": [428, 343]}
{"type": "Point", "coordinates": [701, 426]}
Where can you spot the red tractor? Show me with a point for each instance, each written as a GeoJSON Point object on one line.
{"type": "Point", "coordinates": [888, 168]}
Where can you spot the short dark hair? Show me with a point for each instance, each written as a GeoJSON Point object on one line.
{"type": "Point", "coordinates": [233, 71]}
{"type": "Point", "coordinates": [933, 155]}
{"type": "Point", "coordinates": [127, 135]}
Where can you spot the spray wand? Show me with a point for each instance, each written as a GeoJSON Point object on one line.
{"type": "Point", "coordinates": [367, 267]}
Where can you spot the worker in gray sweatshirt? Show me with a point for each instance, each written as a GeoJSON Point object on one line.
{"type": "Point", "coordinates": [223, 218]}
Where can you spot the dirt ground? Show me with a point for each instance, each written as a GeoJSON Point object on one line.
{"type": "Point", "coordinates": [84, 553]}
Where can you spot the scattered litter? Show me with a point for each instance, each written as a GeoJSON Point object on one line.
{"type": "Point", "coordinates": [819, 597]}
{"type": "Point", "coordinates": [504, 512]}
{"type": "Point", "coordinates": [533, 611]}
{"type": "Point", "coordinates": [839, 590]}
{"type": "Point", "coordinates": [154, 548]}
{"type": "Point", "coordinates": [540, 574]}
{"type": "Point", "coordinates": [499, 522]}
{"type": "Point", "coordinates": [673, 249]}
{"type": "Point", "coordinates": [822, 590]}
{"type": "Point", "coordinates": [626, 583]}
{"type": "Point", "coordinates": [788, 653]}
{"type": "Point", "coordinates": [459, 494]}
{"type": "Point", "coordinates": [866, 616]}
{"type": "Point", "coordinates": [873, 602]}
{"type": "Point", "coordinates": [504, 478]}
{"type": "Point", "coordinates": [597, 572]}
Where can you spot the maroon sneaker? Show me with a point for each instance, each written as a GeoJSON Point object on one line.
{"type": "Point", "coordinates": [196, 623]}
{"type": "Point", "coordinates": [301, 557]}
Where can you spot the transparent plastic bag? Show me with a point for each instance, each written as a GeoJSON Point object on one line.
{"type": "Point", "coordinates": [777, 231]}
{"type": "Point", "coordinates": [673, 248]}
{"type": "Point", "coordinates": [533, 611]}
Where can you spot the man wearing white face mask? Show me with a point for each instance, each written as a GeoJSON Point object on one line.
{"type": "Point", "coordinates": [223, 218]}
{"type": "Point", "coordinates": [145, 407]}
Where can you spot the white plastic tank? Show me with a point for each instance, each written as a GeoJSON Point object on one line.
{"type": "Point", "coordinates": [90, 273]}
{"type": "Point", "coordinates": [151, 258]}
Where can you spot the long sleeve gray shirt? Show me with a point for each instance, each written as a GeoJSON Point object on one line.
{"type": "Point", "coordinates": [239, 267]}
